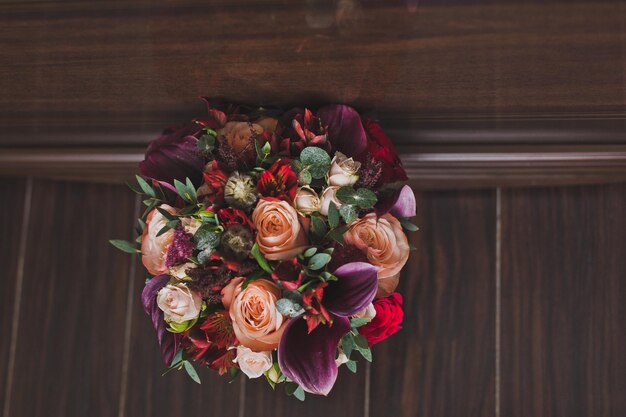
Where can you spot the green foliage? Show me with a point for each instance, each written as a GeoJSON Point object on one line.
{"type": "Point", "coordinates": [256, 253]}
{"type": "Point", "coordinates": [407, 225]}
{"type": "Point", "coordinates": [349, 213]}
{"type": "Point", "coordinates": [351, 365]}
{"type": "Point", "coordinates": [333, 215]}
{"type": "Point", "coordinates": [145, 187]}
{"type": "Point", "coordinates": [318, 261]}
{"type": "Point", "coordinates": [337, 234]}
{"type": "Point", "coordinates": [362, 197]}
{"type": "Point", "coordinates": [186, 191]}
{"type": "Point", "coordinates": [291, 388]}
{"type": "Point", "coordinates": [316, 161]}
{"type": "Point", "coordinates": [206, 143]}
{"type": "Point", "coordinates": [359, 321]}
{"type": "Point", "coordinates": [191, 371]}
{"type": "Point", "coordinates": [310, 252]}
{"type": "Point", "coordinates": [125, 246]}
{"type": "Point", "coordinates": [318, 227]}
{"type": "Point", "coordinates": [288, 307]}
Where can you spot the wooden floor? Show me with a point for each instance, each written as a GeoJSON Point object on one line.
{"type": "Point", "coordinates": [514, 305]}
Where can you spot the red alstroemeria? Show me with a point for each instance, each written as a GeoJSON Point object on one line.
{"type": "Point", "coordinates": [210, 341]}
{"type": "Point", "coordinates": [289, 274]}
{"type": "Point", "coordinates": [231, 216]}
{"type": "Point", "coordinates": [301, 128]}
{"type": "Point", "coordinates": [214, 182]}
{"type": "Point", "coordinates": [219, 329]}
{"type": "Point", "coordinates": [316, 313]}
{"type": "Point", "coordinates": [279, 181]}
{"type": "Point", "coordinates": [310, 129]}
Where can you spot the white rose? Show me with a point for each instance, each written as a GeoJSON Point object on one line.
{"type": "Point", "coordinates": [179, 271]}
{"type": "Point", "coordinates": [328, 195]}
{"type": "Point", "coordinates": [307, 201]}
{"type": "Point", "coordinates": [251, 363]}
{"type": "Point", "coordinates": [341, 358]}
{"type": "Point", "coordinates": [368, 312]}
{"type": "Point", "coordinates": [179, 303]}
{"type": "Point", "coordinates": [343, 170]}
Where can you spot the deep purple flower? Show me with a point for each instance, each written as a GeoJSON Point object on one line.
{"type": "Point", "coordinates": [400, 204]}
{"type": "Point", "coordinates": [345, 130]}
{"type": "Point", "coordinates": [308, 359]}
{"type": "Point", "coordinates": [168, 341]}
{"type": "Point", "coordinates": [174, 156]}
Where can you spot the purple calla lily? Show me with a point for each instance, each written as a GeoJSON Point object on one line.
{"type": "Point", "coordinates": [174, 156]}
{"type": "Point", "coordinates": [400, 204]}
{"type": "Point", "coordinates": [309, 358]}
{"type": "Point", "coordinates": [167, 341]}
{"type": "Point", "coordinates": [345, 130]}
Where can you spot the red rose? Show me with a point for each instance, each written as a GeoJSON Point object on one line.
{"type": "Point", "coordinates": [388, 318]}
{"type": "Point", "coordinates": [279, 181]}
{"type": "Point", "coordinates": [380, 148]}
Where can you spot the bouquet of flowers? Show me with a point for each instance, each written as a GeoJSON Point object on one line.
{"type": "Point", "coordinates": [274, 241]}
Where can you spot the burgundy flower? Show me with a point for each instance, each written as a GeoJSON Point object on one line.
{"type": "Point", "coordinates": [289, 274]}
{"type": "Point", "coordinates": [168, 342]}
{"type": "Point", "coordinates": [231, 216]}
{"type": "Point", "coordinates": [279, 181]}
{"type": "Point", "coordinates": [174, 156]}
{"type": "Point", "coordinates": [181, 248]}
{"type": "Point", "coordinates": [301, 128]}
{"type": "Point", "coordinates": [352, 292]}
{"type": "Point", "coordinates": [387, 321]}
{"type": "Point", "coordinates": [212, 191]}
{"type": "Point", "coordinates": [345, 131]}
{"type": "Point", "coordinates": [380, 148]}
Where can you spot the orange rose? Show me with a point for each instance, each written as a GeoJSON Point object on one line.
{"type": "Point", "coordinates": [280, 235]}
{"type": "Point", "coordinates": [256, 321]}
{"type": "Point", "coordinates": [154, 248]}
{"type": "Point", "coordinates": [385, 245]}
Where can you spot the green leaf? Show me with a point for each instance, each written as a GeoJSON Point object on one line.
{"type": "Point", "coordinates": [351, 365]}
{"type": "Point", "coordinates": [366, 353]}
{"type": "Point", "coordinates": [347, 344]}
{"type": "Point", "coordinates": [206, 143]}
{"type": "Point", "coordinates": [316, 160]}
{"type": "Point", "coordinates": [290, 388]}
{"type": "Point", "coordinates": [163, 230]}
{"type": "Point", "coordinates": [299, 393]}
{"type": "Point", "coordinates": [304, 177]}
{"type": "Point", "coordinates": [359, 321]}
{"type": "Point", "coordinates": [337, 234]}
{"type": "Point", "coordinates": [186, 191]}
{"type": "Point", "coordinates": [407, 225]}
{"type": "Point", "coordinates": [166, 214]}
{"type": "Point", "coordinates": [361, 342]}
{"type": "Point", "coordinates": [318, 227]}
{"type": "Point", "coordinates": [348, 212]}
{"type": "Point", "coordinates": [256, 252]}
{"type": "Point", "coordinates": [333, 215]}
{"type": "Point", "coordinates": [206, 238]}
{"type": "Point", "coordinates": [124, 246]}
{"type": "Point", "coordinates": [135, 188]}
{"type": "Point", "coordinates": [145, 187]}
{"type": "Point", "coordinates": [192, 372]}
{"type": "Point", "coordinates": [362, 197]}
{"type": "Point", "coordinates": [318, 261]}
{"type": "Point", "coordinates": [310, 252]}
{"type": "Point", "coordinates": [178, 358]}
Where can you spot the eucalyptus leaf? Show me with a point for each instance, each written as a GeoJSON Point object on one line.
{"type": "Point", "coordinates": [316, 161]}
{"type": "Point", "coordinates": [124, 246]}
{"type": "Point", "coordinates": [299, 393]}
{"type": "Point", "coordinates": [318, 261]}
{"type": "Point", "coordinates": [318, 227]}
{"type": "Point", "coordinates": [361, 342]}
{"type": "Point", "coordinates": [347, 344]}
{"type": "Point", "coordinates": [192, 372]}
{"type": "Point", "coordinates": [310, 252]}
{"type": "Point", "coordinates": [407, 225]}
{"type": "Point", "coordinates": [348, 213]}
{"type": "Point", "coordinates": [289, 308]}
{"type": "Point", "coordinates": [351, 365]}
{"type": "Point", "coordinates": [333, 215]}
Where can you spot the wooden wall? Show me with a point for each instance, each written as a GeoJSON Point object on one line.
{"type": "Point", "coordinates": [514, 307]}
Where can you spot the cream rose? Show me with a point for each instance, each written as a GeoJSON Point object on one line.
{"type": "Point", "coordinates": [251, 363]}
{"type": "Point", "coordinates": [385, 245]}
{"type": "Point", "coordinates": [279, 233]}
{"type": "Point", "coordinates": [328, 195]}
{"type": "Point", "coordinates": [256, 321]}
{"type": "Point", "coordinates": [179, 303]}
{"type": "Point", "coordinates": [343, 170]}
{"type": "Point", "coordinates": [154, 248]}
{"type": "Point", "coordinates": [307, 201]}
{"type": "Point", "coordinates": [368, 313]}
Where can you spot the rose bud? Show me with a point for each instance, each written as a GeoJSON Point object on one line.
{"type": "Point", "coordinates": [328, 195]}
{"type": "Point", "coordinates": [307, 201]}
{"type": "Point", "coordinates": [174, 156]}
{"type": "Point", "coordinates": [288, 274]}
{"type": "Point", "coordinates": [251, 363]}
{"type": "Point", "coordinates": [343, 170]}
{"type": "Point", "coordinates": [180, 305]}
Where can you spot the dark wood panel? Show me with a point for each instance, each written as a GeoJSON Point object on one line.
{"type": "Point", "coordinates": [175, 394]}
{"type": "Point", "coordinates": [443, 361]}
{"type": "Point", "coordinates": [70, 66]}
{"type": "Point", "coordinates": [346, 399]}
{"type": "Point", "coordinates": [72, 318]}
{"type": "Point", "coordinates": [11, 218]}
{"type": "Point", "coordinates": [563, 311]}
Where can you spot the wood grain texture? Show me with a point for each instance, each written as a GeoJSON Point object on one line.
{"type": "Point", "coordinates": [442, 362]}
{"type": "Point", "coordinates": [99, 67]}
{"type": "Point", "coordinates": [175, 394]}
{"type": "Point", "coordinates": [563, 311]}
{"type": "Point", "coordinates": [69, 346]}
{"type": "Point", "coordinates": [11, 215]}
{"type": "Point", "coordinates": [346, 399]}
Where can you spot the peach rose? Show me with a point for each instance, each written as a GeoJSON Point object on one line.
{"type": "Point", "coordinates": [280, 235]}
{"type": "Point", "coordinates": [385, 245]}
{"type": "Point", "coordinates": [256, 321]}
{"type": "Point", "coordinates": [251, 363]}
{"type": "Point", "coordinates": [239, 135]}
{"type": "Point", "coordinates": [154, 248]}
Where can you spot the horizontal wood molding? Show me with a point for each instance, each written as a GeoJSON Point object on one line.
{"type": "Point", "coordinates": [428, 166]}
